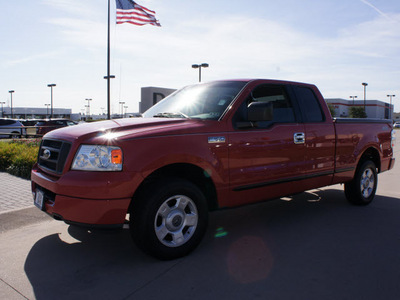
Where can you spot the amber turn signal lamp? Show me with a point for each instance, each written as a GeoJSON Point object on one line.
{"type": "Point", "coordinates": [116, 156]}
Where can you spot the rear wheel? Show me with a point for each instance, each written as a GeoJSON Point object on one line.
{"type": "Point", "coordinates": [169, 218]}
{"type": "Point", "coordinates": [361, 190]}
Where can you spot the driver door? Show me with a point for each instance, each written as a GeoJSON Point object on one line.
{"type": "Point", "coordinates": [266, 159]}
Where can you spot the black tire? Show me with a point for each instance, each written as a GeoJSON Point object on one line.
{"type": "Point", "coordinates": [169, 218]}
{"type": "Point", "coordinates": [15, 135]}
{"type": "Point", "coordinates": [361, 190]}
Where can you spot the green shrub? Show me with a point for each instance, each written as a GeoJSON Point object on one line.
{"type": "Point", "coordinates": [357, 112]}
{"type": "Point", "coordinates": [18, 157]}
{"type": "Point", "coordinates": [27, 142]}
{"type": "Point", "coordinates": [7, 153]}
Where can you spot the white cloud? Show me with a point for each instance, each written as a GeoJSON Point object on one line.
{"type": "Point", "coordinates": [31, 58]}
{"type": "Point", "coordinates": [75, 7]}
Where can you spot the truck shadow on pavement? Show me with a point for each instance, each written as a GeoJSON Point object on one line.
{"type": "Point", "coordinates": [312, 246]}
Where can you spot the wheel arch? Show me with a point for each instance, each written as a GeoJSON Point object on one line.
{"type": "Point", "coordinates": [193, 173]}
{"type": "Point", "coordinates": [373, 155]}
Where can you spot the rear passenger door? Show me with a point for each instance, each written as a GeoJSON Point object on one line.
{"type": "Point", "coordinates": [319, 138]}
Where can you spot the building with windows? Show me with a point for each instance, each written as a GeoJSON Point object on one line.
{"type": "Point", "coordinates": [396, 117]}
{"type": "Point", "coordinates": [374, 108]}
{"type": "Point", "coordinates": [35, 112]}
{"type": "Point", "coordinates": [151, 95]}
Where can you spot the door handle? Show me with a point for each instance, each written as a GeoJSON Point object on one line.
{"type": "Point", "coordinates": [299, 138]}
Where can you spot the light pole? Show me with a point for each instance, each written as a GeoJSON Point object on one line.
{"type": "Point", "coordinates": [12, 112]}
{"type": "Point", "coordinates": [126, 109]}
{"type": "Point", "coordinates": [203, 65]}
{"type": "Point", "coordinates": [47, 105]}
{"type": "Point", "coordinates": [390, 107]}
{"type": "Point", "coordinates": [365, 95]}
{"type": "Point", "coordinates": [108, 77]}
{"type": "Point", "coordinates": [353, 97]}
{"type": "Point", "coordinates": [122, 108]}
{"type": "Point", "coordinates": [87, 112]}
{"type": "Point", "coordinates": [51, 85]}
{"type": "Point", "coordinates": [88, 106]}
{"type": "Point", "coordinates": [2, 111]}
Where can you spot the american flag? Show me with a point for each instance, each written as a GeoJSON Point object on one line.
{"type": "Point", "coordinates": [130, 12]}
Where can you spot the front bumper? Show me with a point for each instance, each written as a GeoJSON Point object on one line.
{"type": "Point", "coordinates": [104, 199]}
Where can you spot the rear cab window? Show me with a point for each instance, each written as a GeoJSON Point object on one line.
{"type": "Point", "coordinates": [310, 106]}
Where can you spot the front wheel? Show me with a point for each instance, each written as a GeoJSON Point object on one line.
{"type": "Point", "coordinates": [169, 218]}
{"type": "Point", "coordinates": [361, 190]}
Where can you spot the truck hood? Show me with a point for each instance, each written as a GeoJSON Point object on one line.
{"type": "Point", "coordinates": [124, 129]}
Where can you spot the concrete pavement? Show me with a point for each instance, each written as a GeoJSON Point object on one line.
{"type": "Point", "coordinates": [16, 203]}
{"type": "Point", "coordinates": [15, 193]}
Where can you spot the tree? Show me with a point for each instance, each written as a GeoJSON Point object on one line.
{"type": "Point", "coordinates": [357, 112]}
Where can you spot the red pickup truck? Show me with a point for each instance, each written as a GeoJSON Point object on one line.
{"type": "Point", "coordinates": [207, 146]}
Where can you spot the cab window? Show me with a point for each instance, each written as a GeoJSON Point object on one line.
{"type": "Point", "coordinates": [274, 95]}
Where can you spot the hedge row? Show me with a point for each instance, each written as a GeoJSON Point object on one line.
{"type": "Point", "coordinates": [17, 157]}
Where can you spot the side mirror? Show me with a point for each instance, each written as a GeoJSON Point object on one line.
{"type": "Point", "coordinates": [260, 111]}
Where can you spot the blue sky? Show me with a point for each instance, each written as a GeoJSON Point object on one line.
{"type": "Point", "coordinates": [335, 44]}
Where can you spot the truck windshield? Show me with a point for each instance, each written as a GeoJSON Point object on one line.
{"type": "Point", "coordinates": [201, 101]}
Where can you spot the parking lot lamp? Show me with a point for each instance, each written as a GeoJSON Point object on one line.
{"type": "Point", "coordinates": [47, 106]}
{"type": "Point", "coordinates": [365, 94]}
{"type": "Point", "coordinates": [88, 106]}
{"type": "Point", "coordinates": [51, 85]}
{"type": "Point", "coordinates": [12, 112]}
{"type": "Point", "coordinates": [199, 66]}
{"type": "Point", "coordinates": [353, 97]}
{"type": "Point", "coordinates": [122, 108]}
{"type": "Point", "coordinates": [390, 107]}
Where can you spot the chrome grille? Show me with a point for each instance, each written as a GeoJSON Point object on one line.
{"type": "Point", "coordinates": [53, 154]}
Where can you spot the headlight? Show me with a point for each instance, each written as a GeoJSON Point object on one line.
{"type": "Point", "coordinates": [98, 158]}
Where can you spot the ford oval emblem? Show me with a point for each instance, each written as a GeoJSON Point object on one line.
{"type": "Point", "coordinates": [46, 154]}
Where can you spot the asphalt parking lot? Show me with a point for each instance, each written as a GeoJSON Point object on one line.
{"type": "Point", "coordinates": [314, 246]}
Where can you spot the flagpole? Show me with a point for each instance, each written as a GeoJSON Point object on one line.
{"type": "Point", "coordinates": [108, 77]}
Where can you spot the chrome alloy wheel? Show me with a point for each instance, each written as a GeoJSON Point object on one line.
{"type": "Point", "coordinates": [367, 183]}
{"type": "Point", "coordinates": [176, 221]}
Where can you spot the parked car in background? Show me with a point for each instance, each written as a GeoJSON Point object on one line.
{"type": "Point", "coordinates": [30, 126]}
{"type": "Point", "coordinates": [10, 128]}
{"type": "Point", "coordinates": [396, 125]}
{"type": "Point", "coordinates": [29, 122]}
{"type": "Point", "coordinates": [44, 126]}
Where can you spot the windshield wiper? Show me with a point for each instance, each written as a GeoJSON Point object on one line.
{"type": "Point", "coordinates": [171, 115]}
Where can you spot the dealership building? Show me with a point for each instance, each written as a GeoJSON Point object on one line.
{"type": "Point", "coordinates": [35, 112]}
{"type": "Point", "coordinates": [374, 108]}
{"type": "Point", "coordinates": [151, 95]}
